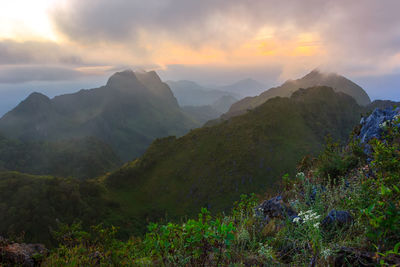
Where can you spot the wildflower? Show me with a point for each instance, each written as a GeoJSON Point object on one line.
{"type": "Point", "coordinates": [316, 225]}
{"type": "Point", "coordinates": [296, 220]}
{"type": "Point", "coordinates": [326, 253]}
{"type": "Point", "coordinates": [383, 124]}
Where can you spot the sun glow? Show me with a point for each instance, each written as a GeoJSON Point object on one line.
{"type": "Point", "coordinates": [26, 20]}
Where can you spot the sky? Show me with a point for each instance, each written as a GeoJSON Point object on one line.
{"type": "Point", "coordinates": [60, 46]}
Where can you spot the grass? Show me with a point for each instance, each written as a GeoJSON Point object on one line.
{"type": "Point", "coordinates": [369, 192]}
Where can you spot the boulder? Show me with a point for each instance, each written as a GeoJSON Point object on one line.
{"type": "Point", "coordinates": [374, 125]}
{"type": "Point", "coordinates": [274, 208]}
{"type": "Point", "coordinates": [337, 218]}
{"type": "Point", "coordinates": [27, 255]}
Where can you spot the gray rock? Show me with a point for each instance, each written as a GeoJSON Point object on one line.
{"type": "Point", "coordinates": [274, 208]}
{"type": "Point", "coordinates": [15, 254]}
{"type": "Point", "coordinates": [337, 218]}
{"type": "Point", "coordinates": [371, 126]}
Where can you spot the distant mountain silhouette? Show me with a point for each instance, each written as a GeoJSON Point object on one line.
{"type": "Point", "coordinates": [224, 103]}
{"type": "Point", "coordinates": [244, 88]}
{"type": "Point", "coordinates": [128, 113]}
{"type": "Point", "coordinates": [190, 93]}
{"type": "Point", "coordinates": [382, 104]}
{"type": "Point", "coordinates": [314, 78]}
{"type": "Point", "coordinates": [202, 114]}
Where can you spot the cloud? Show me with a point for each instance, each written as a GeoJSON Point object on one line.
{"type": "Point", "coordinates": [21, 74]}
{"type": "Point", "coordinates": [193, 22]}
{"type": "Point", "coordinates": [36, 52]}
{"type": "Point", "coordinates": [348, 35]}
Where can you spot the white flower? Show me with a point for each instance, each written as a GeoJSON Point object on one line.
{"type": "Point", "coordinates": [316, 225]}
{"type": "Point", "coordinates": [296, 220]}
{"type": "Point", "coordinates": [326, 253]}
{"type": "Point", "coordinates": [383, 124]}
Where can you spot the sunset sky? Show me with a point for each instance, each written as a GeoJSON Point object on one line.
{"type": "Point", "coordinates": [57, 46]}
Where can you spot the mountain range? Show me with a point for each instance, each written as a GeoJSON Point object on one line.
{"type": "Point", "coordinates": [314, 78]}
{"type": "Point", "coordinates": [208, 167]}
{"type": "Point", "coordinates": [211, 166]}
{"type": "Point", "coordinates": [206, 113]}
{"type": "Point", "coordinates": [128, 113]}
{"type": "Point", "coordinates": [189, 93]}
{"type": "Point", "coordinates": [244, 88]}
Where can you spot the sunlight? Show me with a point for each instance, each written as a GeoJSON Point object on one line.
{"type": "Point", "coordinates": [25, 19]}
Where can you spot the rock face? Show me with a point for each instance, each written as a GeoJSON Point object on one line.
{"type": "Point", "coordinates": [373, 126]}
{"type": "Point", "coordinates": [15, 254]}
{"type": "Point", "coordinates": [274, 208]}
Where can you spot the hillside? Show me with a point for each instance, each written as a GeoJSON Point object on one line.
{"type": "Point", "coordinates": [32, 205]}
{"type": "Point", "coordinates": [208, 167]}
{"type": "Point", "coordinates": [80, 158]}
{"type": "Point", "coordinates": [128, 113]}
{"type": "Point", "coordinates": [211, 166]}
{"type": "Point", "coordinates": [314, 78]}
{"type": "Point", "coordinates": [340, 209]}
{"type": "Point", "coordinates": [202, 114]}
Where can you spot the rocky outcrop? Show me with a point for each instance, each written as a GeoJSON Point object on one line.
{"type": "Point", "coordinates": [337, 218]}
{"type": "Point", "coordinates": [274, 208]}
{"type": "Point", "coordinates": [16, 254]}
{"type": "Point", "coordinates": [374, 125]}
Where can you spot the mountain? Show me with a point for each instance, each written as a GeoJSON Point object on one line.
{"type": "Point", "coordinates": [208, 167]}
{"type": "Point", "coordinates": [206, 113]}
{"type": "Point", "coordinates": [128, 113]}
{"type": "Point", "coordinates": [244, 88]}
{"type": "Point", "coordinates": [202, 114]}
{"type": "Point", "coordinates": [211, 166]}
{"type": "Point", "coordinates": [224, 103]}
{"type": "Point", "coordinates": [80, 158]}
{"type": "Point", "coordinates": [382, 104]}
{"type": "Point", "coordinates": [314, 78]}
{"type": "Point", "coordinates": [189, 93]}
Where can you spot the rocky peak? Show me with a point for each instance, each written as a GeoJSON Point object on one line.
{"type": "Point", "coordinates": [34, 103]}
{"type": "Point", "coordinates": [156, 86]}
{"type": "Point", "coordinates": [123, 79]}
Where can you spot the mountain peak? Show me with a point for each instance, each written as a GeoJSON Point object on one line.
{"type": "Point", "coordinates": [318, 74]}
{"type": "Point", "coordinates": [122, 79]}
{"type": "Point", "coordinates": [37, 97]}
{"type": "Point", "coordinates": [147, 76]}
{"type": "Point", "coordinates": [315, 78]}
{"type": "Point", "coordinates": [35, 103]}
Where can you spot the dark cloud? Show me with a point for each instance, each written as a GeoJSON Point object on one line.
{"type": "Point", "coordinates": [20, 74]}
{"type": "Point", "coordinates": [187, 21]}
{"type": "Point", "coordinates": [35, 52]}
{"type": "Point", "coordinates": [362, 31]}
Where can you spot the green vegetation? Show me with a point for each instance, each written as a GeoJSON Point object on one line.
{"type": "Point", "coordinates": [32, 205]}
{"type": "Point", "coordinates": [212, 166]}
{"type": "Point", "coordinates": [209, 167]}
{"type": "Point", "coordinates": [128, 113]}
{"type": "Point", "coordinates": [369, 193]}
{"type": "Point", "coordinates": [80, 158]}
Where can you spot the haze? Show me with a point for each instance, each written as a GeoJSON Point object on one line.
{"type": "Point", "coordinates": [56, 46]}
